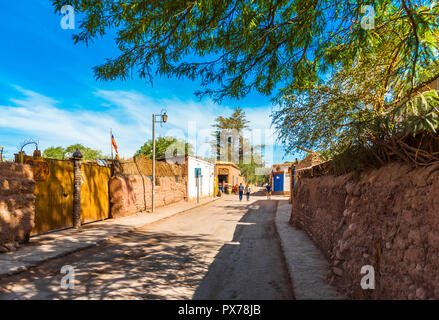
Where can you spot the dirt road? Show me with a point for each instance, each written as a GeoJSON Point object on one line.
{"type": "Point", "coordinates": [225, 250]}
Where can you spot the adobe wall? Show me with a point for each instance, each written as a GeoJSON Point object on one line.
{"type": "Point", "coordinates": [130, 194]}
{"type": "Point", "coordinates": [387, 218]}
{"type": "Point", "coordinates": [17, 204]}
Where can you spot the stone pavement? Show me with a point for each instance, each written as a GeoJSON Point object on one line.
{"type": "Point", "coordinates": [59, 243]}
{"type": "Point", "coordinates": [306, 264]}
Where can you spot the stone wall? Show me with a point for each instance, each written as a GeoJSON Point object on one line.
{"type": "Point", "coordinates": [387, 218]}
{"type": "Point", "coordinates": [17, 204]}
{"type": "Point", "coordinates": [132, 193]}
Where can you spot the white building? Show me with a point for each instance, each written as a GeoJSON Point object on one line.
{"type": "Point", "coordinates": [199, 174]}
{"type": "Point", "coordinates": [201, 186]}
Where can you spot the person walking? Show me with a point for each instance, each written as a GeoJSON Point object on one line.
{"type": "Point", "coordinates": [268, 191]}
{"type": "Point", "coordinates": [241, 191]}
{"type": "Point", "coordinates": [248, 190]}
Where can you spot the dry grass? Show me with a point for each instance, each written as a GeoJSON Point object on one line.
{"type": "Point", "coordinates": [143, 166]}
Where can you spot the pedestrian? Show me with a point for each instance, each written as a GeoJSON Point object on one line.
{"type": "Point", "coordinates": [241, 191]}
{"type": "Point", "coordinates": [247, 192]}
{"type": "Point", "coordinates": [268, 191]}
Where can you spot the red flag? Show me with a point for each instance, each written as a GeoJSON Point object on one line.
{"type": "Point", "coordinates": [114, 143]}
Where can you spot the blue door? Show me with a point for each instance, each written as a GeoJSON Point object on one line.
{"type": "Point", "coordinates": [278, 182]}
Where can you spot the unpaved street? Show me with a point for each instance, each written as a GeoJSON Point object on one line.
{"type": "Point", "coordinates": [224, 250]}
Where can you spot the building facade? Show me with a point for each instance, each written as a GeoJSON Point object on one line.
{"type": "Point", "coordinates": [228, 174]}
{"type": "Point", "coordinates": [199, 175]}
{"type": "Point", "coordinates": [201, 178]}
{"type": "Point", "coordinates": [281, 178]}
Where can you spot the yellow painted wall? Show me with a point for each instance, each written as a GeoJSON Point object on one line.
{"type": "Point", "coordinates": [215, 186]}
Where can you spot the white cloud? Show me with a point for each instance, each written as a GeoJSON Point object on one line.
{"type": "Point", "coordinates": [128, 113]}
{"type": "Point", "coordinates": [38, 116]}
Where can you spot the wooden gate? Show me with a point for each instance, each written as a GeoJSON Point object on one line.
{"type": "Point", "coordinates": [95, 196]}
{"type": "Point", "coordinates": [54, 193]}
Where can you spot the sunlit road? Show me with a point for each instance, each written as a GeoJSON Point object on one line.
{"type": "Point", "coordinates": [225, 250]}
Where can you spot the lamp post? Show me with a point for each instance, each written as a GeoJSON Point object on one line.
{"type": "Point", "coordinates": [163, 117]}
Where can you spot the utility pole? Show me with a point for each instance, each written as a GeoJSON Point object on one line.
{"type": "Point", "coordinates": [198, 176]}
{"type": "Point", "coordinates": [198, 185]}
{"type": "Point", "coordinates": [164, 118]}
{"type": "Point", "coordinates": [153, 162]}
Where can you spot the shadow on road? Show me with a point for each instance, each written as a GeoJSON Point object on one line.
{"type": "Point", "coordinates": [153, 263]}
{"type": "Point", "coordinates": [251, 266]}
{"type": "Point", "coordinates": [141, 265]}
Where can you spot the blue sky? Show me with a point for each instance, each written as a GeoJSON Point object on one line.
{"type": "Point", "coordinates": [48, 92]}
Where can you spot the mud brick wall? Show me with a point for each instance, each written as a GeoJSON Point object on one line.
{"type": "Point", "coordinates": [387, 218]}
{"type": "Point", "coordinates": [17, 202]}
{"type": "Point", "coordinates": [130, 194]}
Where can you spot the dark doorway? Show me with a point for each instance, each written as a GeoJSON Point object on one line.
{"type": "Point", "coordinates": [221, 178]}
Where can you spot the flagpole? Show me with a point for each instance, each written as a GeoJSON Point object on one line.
{"type": "Point", "coordinates": [111, 142]}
